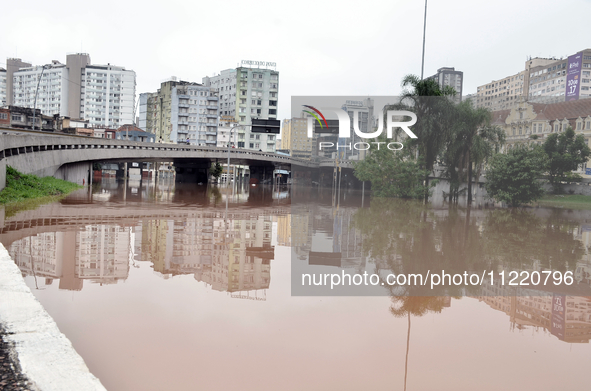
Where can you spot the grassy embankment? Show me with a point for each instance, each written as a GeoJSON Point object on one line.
{"type": "Point", "coordinates": [571, 201]}
{"type": "Point", "coordinates": [25, 192]}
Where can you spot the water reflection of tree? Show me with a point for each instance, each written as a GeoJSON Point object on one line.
{"type": "Point", "coordinates": [417, 306]}
{"type": "Point", "coordinates": [404, 236]}
{"type": "Point", "coordinates": [519, 238]}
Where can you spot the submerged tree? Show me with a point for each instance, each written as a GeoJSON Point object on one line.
{"type": "Point", "coordinates": [393, 173]}
{"type": "Point", "coordinates": [566, 151]}
{"type": "Point", "coordinates": [473, 141]}
{"type": "Point", "coordinates": [514, 177]}
{"type": "Point", "coordinates": [216, 170]}
{"type": "Point", "coordinates": [434, 111]}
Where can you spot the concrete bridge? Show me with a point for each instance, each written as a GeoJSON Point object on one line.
{"type": "Point", "coordinates": [70, 157]}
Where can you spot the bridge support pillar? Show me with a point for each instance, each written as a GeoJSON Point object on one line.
{"type": "Point", "coordinates": [2, 174]}
{"type": "Point", "coordinates": [74, 172]}
{"type": "Point", "coordinates": [261, 174]}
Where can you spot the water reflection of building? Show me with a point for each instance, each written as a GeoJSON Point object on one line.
{"type": "Point", "coordinates": [566, 317]}
{"type": "Point", "coordinates": [229, 255]}
{"type": "Point", "coordinates": [242, 256]}
{"type": "Point", "coordinates": [99, 253]}
{"type": "Point", "coordinates": [104, 253]}
{"type": "Point", "coordinates": [334, 241]}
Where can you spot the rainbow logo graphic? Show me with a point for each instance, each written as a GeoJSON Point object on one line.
{"type": "Point", "coordinates": [316, 116]}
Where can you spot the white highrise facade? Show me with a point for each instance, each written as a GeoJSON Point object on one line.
{"type": "Point", "coordinates": [108, 95]}
{"type": "Point", "coordinates": [2, 87]}
{"type": "Point", "coordinates": [102, 94]}
{"type": "Point", "coordinates": [52, 94]}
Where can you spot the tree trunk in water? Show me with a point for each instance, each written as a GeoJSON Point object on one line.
{"type": "Point", "coordinates": [427, 184]}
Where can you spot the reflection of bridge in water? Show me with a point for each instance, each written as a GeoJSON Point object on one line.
{"type": "Point", "coordinates": [229, 250]}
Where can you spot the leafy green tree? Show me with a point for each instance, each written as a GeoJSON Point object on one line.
{"type": "Point", "coordinates": [216, 170]}
{"type": "Point", "coordinates": [513, 177]}
{"type": "Point", "coordinates": [392, 173]}
{"type": "Point", "coordinates": [566, 151]}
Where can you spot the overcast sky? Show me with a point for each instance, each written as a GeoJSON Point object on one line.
{"type": "Point", "coordinates": [320, 47]}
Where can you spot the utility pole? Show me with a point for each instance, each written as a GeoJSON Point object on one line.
{"type": "Point", "coordinates": [424, 31]}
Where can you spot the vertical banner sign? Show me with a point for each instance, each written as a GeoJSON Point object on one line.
{"type": "Point", "coordinates": [558, 316]}
{"type": "Point", "coordinates": [573, 76]}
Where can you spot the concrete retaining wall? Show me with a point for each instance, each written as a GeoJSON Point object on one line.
{"type": "Point", "coordinates": [45, 355]}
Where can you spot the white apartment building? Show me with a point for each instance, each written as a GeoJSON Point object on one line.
{"type": "Point", "coordinates": [52, 95]}
{"type": "Point", "coordinates": [2, 87]}
{"type": "Point", "coordinates": [102, 94]}
{"type": "Point", "coordinates": [247, 93]}
{"type": "Point", "coordinates": [107, 95]}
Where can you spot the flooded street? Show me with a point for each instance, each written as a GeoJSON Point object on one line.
{"type": "Point", "coordinates": [164, 286]}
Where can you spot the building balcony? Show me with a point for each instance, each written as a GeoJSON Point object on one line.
{"type": "Point", "coordinates": [183, 96]}
{"type": "Point", "coordinates": [211, 125]}
{"type": "Point", "coordinates": [212, 98]}
{"type": "Point", "coordinates": [208, 115]}
{"type": "Point", "coordinates": [181, 114]}
{"type": "Point", "coordinates": [211, 132]}
{"type": "Point", "coordinates": [211, 142]}
{"type": "Point", "coordinates": [185, 105]}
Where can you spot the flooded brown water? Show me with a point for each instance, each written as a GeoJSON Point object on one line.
{"type": "Point", "coordinates": [183, 287]}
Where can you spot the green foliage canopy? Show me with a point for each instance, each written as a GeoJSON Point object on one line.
{"type": "Point", "coordinates": [513, 177]}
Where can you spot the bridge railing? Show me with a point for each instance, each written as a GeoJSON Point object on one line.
{"type": "Point", "coordinates": [71, 141]}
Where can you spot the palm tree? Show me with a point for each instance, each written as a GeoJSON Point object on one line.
{"type": "Point", "coordinates": [474, 140]}
{"type": "Point", "coordinates": [423, 97]}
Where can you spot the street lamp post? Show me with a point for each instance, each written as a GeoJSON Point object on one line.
{"type": "Point", "coordinates": [36, 92]}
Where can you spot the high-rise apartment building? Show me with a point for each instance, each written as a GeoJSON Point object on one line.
{"type": "Point", "coordinates": [559, 80]}
{"type": "Point", "coordinates": [102, 94]}
{"type": "Point", "coordinates": [13, 65]}
{"type": "Point", "coordinates": [182, 111]}
{"type": "Point", "coordinates": [247, 93]}
{"type": "Point", "coordinates": [2, 87]}
{"type": "Point", "coordinates": [452, 78]}
{"type": "Point", "coordinates": [47, 84]}
{"type": "Point", "coordinates": [502, 94]}
{"type": "Point", "coordinates": [543, 80]}
{"type": "Point", "coordinates": [107, 95]}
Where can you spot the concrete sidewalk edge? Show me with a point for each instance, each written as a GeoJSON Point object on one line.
{"type": "Point", "coordinates": [47, 358]}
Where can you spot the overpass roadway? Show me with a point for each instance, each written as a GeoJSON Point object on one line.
{"type": "Point", "coordinates": [70, 157]}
